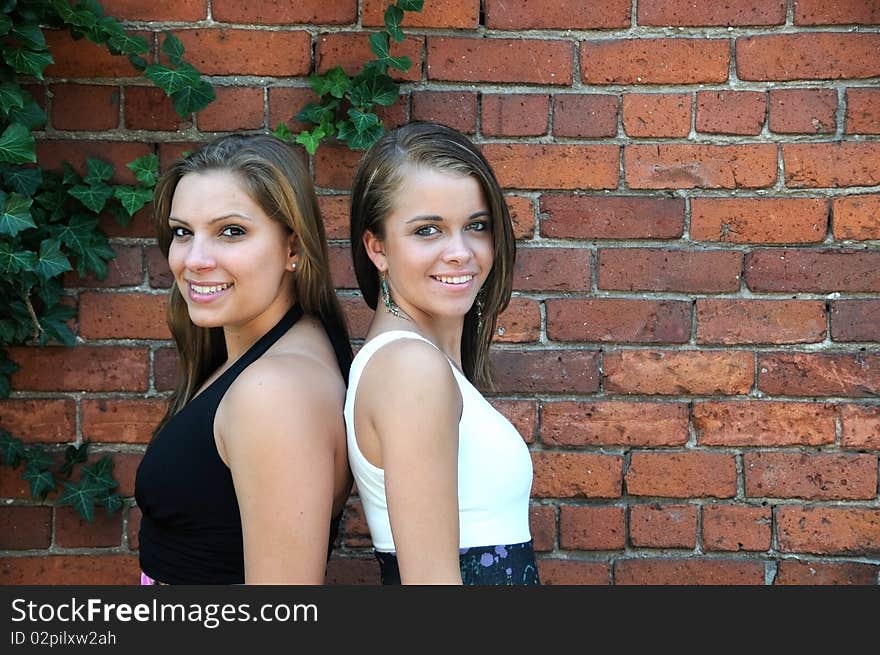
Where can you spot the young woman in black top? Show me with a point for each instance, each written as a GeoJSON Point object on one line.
{"type": "Point", "coordinates": [247, 474]}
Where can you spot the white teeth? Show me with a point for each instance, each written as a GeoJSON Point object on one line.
{"type": "Point", "coordinates": [212, 289]}
{"type": "Point", "coordinates": [455, 280]}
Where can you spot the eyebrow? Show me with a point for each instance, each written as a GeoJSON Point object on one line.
{"type": "Point", "coordinates": [216, 219]}
{"type": "Point", "coordinates": [433, 217]}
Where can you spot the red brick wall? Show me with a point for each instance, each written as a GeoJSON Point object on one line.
{"type": "Point", "coordinates": [692, 350]}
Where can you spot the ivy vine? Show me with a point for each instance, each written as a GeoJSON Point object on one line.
{"type": "Point", "coordinates": [49, 220]}
{"type": "Point", "coordinates": [345, 107]}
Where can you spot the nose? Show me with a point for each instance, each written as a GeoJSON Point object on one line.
{"type": "Point", "coordinates": [457, 248]}
{"type": "Point", "coordinates": [199, 256]}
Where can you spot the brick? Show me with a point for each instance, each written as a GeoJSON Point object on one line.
{"type": "Point", "coordinates": [123, 316]}
{"type": "Point", "coordinates": [679, 372]}
{"type": "Point", "coordinates": [139, 226]}
{"type": "Point", "coordinates": [335, 166]}
{"type": "Point", "coordinates": [857, 217]}
{"type": "Point", "coordinates": [157, 269]}
{"type": "Point", "coordinates": [860, 426]}
{"type": "Point", "coordinates": [518, 61]}
{"type": "Point", "coordinates": [554, 166]}
{"type": "Point", "coordinates": [358, 315]}
{"type": "Point", "coordinates": [614, 423]}
{"type": "Point", "coordinates": [165, 369]}
{"type": "Point", "coordinates": [352, 571]}
{"type": "Point", "coordinates": [736, 528]}
{"type": "Point", "coordinates": [522, 215]}
{"type": "Point", "coordinates": [12, 485]}
{"type": "Point", "coordinates": [799, 572]}
{"type": "Point", "coordinates": [335, 215]}
{"type": "Point", "coordinates": [91, 570]}
{"type": "Point", "coordinates": [182, 10]}
{"type": "Point", "coordinates": [520, 322]}
{"type": "Point", "coordinates": [692, 571]}
{"type": "Point", "coordinates": [523, 414]}
{"type": "Point", "coordinates": [763, 423]}
{"type": "Point", "coordinates": [586, 116]}
{"type": "Point", "coordinates": [819, 374]}
{"type": "Point", "coordinates": [592, 217]}
{"type": "Point", "coordinates": [692, 474]}
{"type": "Point", "coordinates": [759, 220]}
{"type": "Point", "coordinates": [573, 572]}
{"type": "Point", "coordinates": [462, 14]}
{"type": "Point", "coordinates": [285, 103]}
{"type": "Point", "coordinates": [233, 109]}
{"type": "Point", "coordinates": [807, 56]}
{"type": "Point", "coordinates": [124, 270]}
{"type": "Point", "coordinates": [272, 12]}
{"type": "Point", "coordinates": [819, 271]}
{"type": "Point", "coordinates": [148, 108]}
{"type": "Point", "coordinates": [557, 14]}
{"type": "Point", "coordinates": [515, 114]}
{"type": "Point", "coordinates": [635, 61]}
{"type": "Point", "coordinates": [855, 320]}
{"type": "Point", "coordinates": [863, 110]}
{"type": "Point", "coordinates": [821, 12]}
{"type": "Point", "coordinates": [171, 152]}
{"type": "Point", "coordinates": [542, 522]}
{"type": "Point", "coordinates": [355, 528]}
{"type": "Point", "coordinates": [656, 114]}
{"type": "Point", "coordinates": [687, 13]}
{"type": "Point", "coordinates": [351, 49]}
{"type": "Point", "coordinates": [731, 112]}
{"type": "Point", "coordinates": [546, 371]}
{"type": "Point", "coordinates": [107, 420]}
{"type": "Point", "coordinates": [812, 476]}
{"type": "Point", "coordinates": [663, 526]}
{"type": "Point", "coordinates": [831, 164]}
{"type": "Point", "coordinates": [690, 166]}
{"type": "Point", "coordinates": [227, 51]}
{"type": "Point", "coordinates": [25, 528]}
{"type": "Point", "coordinates": [576, 475]}
{"type": "Point", "coordinates": [341, 267]}
{"type": "Point", "coordinates": [46, 420]}
{"type": "Point", "coordinates": [71, 531]}
{"type": "Point", "coordinates": [552, 269]}
{"type": "Point", "coordinates": [124, 470]}
{"type": "Point", "coordinates": [803, 111]}
{"type": "Point", "coordinates": [654, 269]}
{"type": "Point", "coordinates": [51, 155]}
{"type": "Point", "coordinates": [619, 320]}
{"type": "Point", "coordinates": [83, 59]}
{"type": "Point", "coordinates": [592, 528]}
{"type": "Point", "coordinates": [731, 321]}
{"type": "Point", "coordinates": [133, 525]}
{"type": "Point", "coordinates": [828, 530]}
{"type": "Point", "coordinates": [83, 368]}
{"type": "Point", "coordinates": [85, 107]}
{"type": "Point", "coordinates": [457, 109]}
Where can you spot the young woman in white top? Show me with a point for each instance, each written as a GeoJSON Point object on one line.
{"type": "Point", "coordinates": [444, 479]}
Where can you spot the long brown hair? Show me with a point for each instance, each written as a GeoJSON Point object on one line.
{"type": "Point", "coordinates": [277, 181]}
{"type": "Point", "coordinates": [380, 176]}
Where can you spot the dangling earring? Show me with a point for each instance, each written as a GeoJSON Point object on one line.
{"type": "Point", "coordinates": [390, 305]}
{"type": "Point", "coordinates": [479, 306]}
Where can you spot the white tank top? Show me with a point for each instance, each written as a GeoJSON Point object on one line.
{"type": "Point", "coordinates": [494, 466]}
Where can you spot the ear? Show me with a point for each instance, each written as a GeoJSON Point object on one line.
{"type": "Point", "coordinates": [292, 253]}
{"type": "Point", "coordinates": [375, 248]}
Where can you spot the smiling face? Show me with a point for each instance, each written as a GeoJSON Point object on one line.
{"type": "Point", "coordinates": [231, 262]}
{"type": "Point", "coordinates": [436, 249]}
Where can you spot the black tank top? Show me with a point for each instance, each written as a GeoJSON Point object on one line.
{"type": "Point", "coordinates": [190, 529]}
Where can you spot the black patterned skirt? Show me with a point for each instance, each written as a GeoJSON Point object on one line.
{"type": "Point", "coordinates": [480, 565]}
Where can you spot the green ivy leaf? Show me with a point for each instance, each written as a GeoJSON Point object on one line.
{"type": "Point", "coordinates": [132, 198]}
{"type": "Point", "coordinates": [69, 177]}
{"type": "Point", "coordinates": [317, 113]}
{"type": "Point", "coordinates": [97, 171]}
{"type": "Point", "coordinates": [50, 292]}
{"type": "Point", "coordinates": [53, 320]}
{"type": "Point", "coordinates": [31, 115]}
{"type": "Point", "coordinates": [311, 140]}
{"type": "Point", "coordinates": [100, 474]}
{"type": "Point", "coordinates": [22, 180]}
{"type": "Point", "coordinates": [7, 368]}
{"type": "Point", "coordinates": [380, 46]}
{"type": "Point", "coordinates": [73, 455]}
{"type": "Point", "coordinates": [11, 96]}
{"type": "Point", "coordinates": [30, 35]}
{"type": "Point", "coordinates": [93, 197]}
{"type": "Point", "coordinates": [51, 261]}
{"type": "Point", "coordinates": [393, 18]}
{"type": "Point", "coordinates": [363, 140]}
{"type": "Point", "coordinates": [15, 261]}
{"type": "Point", "coordinates": [5, 24]}
{"type": "Point", "coordinates": [81, 497]}
{"type": "Point", "coordinates": [338, 82]}
{"type": "Point", "coordinates": [78, 233]}
{"type": "Point", "coordinates": [194, 98]}
{"type": "Point", "coordinates": [113, 503]}
{"type": "Point", "coordinates": [172, 47]}
{"type": "Point", "coordinates": [63, 9]}
{"type": "Point", "coordinates": [38, 458]}
{"type": "Point", "coordinates": [17, 145]}
{"type": "Point", "coordinates": [145, 169]}
{"type": "Point", "coordinates": [411, 5]}
{"type": "Point", "coordinates": [94, 258]}
{"type": "Point", "coordinates": [15, 215]}
{"type": "Point", "coordinates": [41, 481]}
{"type": "Point", "coordinates": [321, 83]}
{"type": "Point", "coordinates": [362, 121]}
{"type": "Point", "coordinates": [282, 132]}
{"type": "Point", "coordinates": [12, 450]}
{"type": "Point", "coordinates": [172, 80]}
{"type": "Point", "coordinates": [373, 87]}
{"type": "Point", "coordinates": [27, 62]}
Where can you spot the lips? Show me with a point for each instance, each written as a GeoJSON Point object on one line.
{"type": "Point", "coordinates": [454, 279]}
